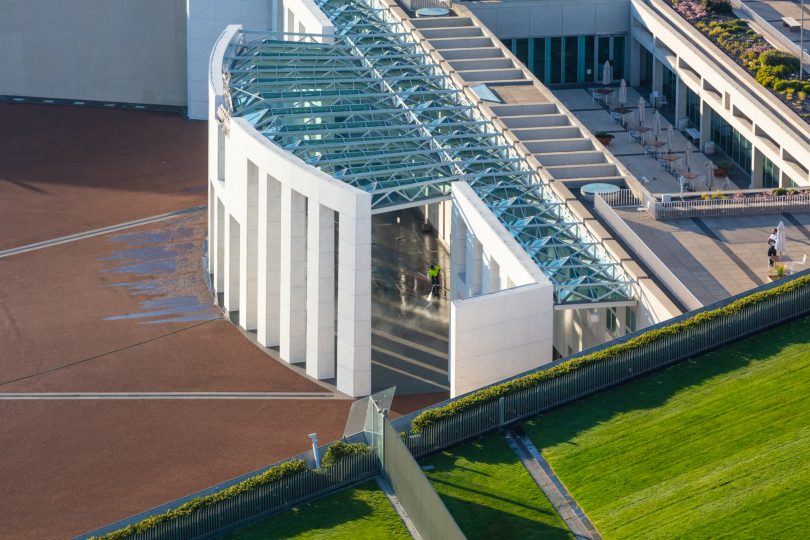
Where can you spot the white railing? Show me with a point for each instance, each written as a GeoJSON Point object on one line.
{"type": "Point", "coordinates": [621, 198]}
{"type": "Point", "coordinates": [732, 204]}
{"type": "Point", "coordinates": [645, 254]}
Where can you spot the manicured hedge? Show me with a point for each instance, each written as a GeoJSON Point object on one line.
{"type": "Point", "coordinates": [338, 450]}
{"type": "Point", "coordinates": [273, 474]}
{"type": "Point", "coordinates": [493, 393]}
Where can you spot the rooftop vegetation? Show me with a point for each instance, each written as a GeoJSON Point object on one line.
{"type": "Point", "coordinates": [716, 445]}
{"type": "Point", "coordinates": [772, 68]}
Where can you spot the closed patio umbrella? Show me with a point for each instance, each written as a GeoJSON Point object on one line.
{"type": "Point", "coordinates": [623, 93]}
{"type": "Point", "coordinates": [780, 237]}
{"type": "Point", "coordinates": [607, 73]}
{"type": "Point", "coordinates": [709, 175]}
{"type": "Point", "coordinates": [641, 117]}
{"type": "Point", "coordinates": [689, 160]}
{"type": "Point", "coordinates": [656, 127]}
{"type": "Point", "coordinates": [670, 138]}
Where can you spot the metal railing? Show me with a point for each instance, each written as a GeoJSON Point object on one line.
{"type": "Point", "coordinates": [600, 375]}
{"type": "Point", "coordinates": [730, 205]}
{"type": "Point", "coordinates": [251, 505]}
{"type": "Point", "coordinates": [619, 199]}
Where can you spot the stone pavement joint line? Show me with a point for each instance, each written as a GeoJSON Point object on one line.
{"type": "Point", "coordinates": [551, 486]}
{"type": "Point", "coordinates": [725, 249]}
{"type": "Point", "coordinates": [6, 396]}
{"type": "Point", "coordinates": [99, 232]}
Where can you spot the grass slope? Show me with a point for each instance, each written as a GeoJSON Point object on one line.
{"type": "Point", "coordinates": [491, 495]}
{"type": "Point", "coordinates": [716, 446]}
{"type": "Point", "coordinates": [362, 512]}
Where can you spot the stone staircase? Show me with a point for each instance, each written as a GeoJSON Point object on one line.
{"type": "Point", "coordinates": [562, 149]}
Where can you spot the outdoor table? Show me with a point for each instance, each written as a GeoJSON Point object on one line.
{"type": "Point", "coordinates": [690, 175]}
{"type": "Point", "coordinates": [600, 94]}
{"type": "Point", "coordinates": [655, 145]}
{"type": "Point", "coordinates": [668, 160]}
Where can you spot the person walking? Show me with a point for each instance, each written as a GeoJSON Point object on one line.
{"type": "Point", "coordinates": [434, 274]}
{"type": "Point", "coordinates": [772, 247]}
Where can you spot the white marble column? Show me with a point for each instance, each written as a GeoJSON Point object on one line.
{"type": "Point", "coordinates": [212, 226]}
{"type": "Point", "coordinates": [249, 256]}
{"type": "Point", "coordinates": [232, 264]}
{"type": "Point", "coordinates": [219, 247]}
{"type": "Point", "coordinates": [354, 300]}
{"type": "Point", "coordinates": [267, 311]}
{"type": "Point", "coordinates": [705, 123]}
{"type": "Point", "coordinates": [320, 291]}
{"type": "Point", "coordinates": [293, 276]}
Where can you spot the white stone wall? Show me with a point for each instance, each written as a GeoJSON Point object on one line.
{"type": "Point", "coordinates": [273, 244]}
{"type": "Point", "coordinates": [543, 18]}
{"type": "Point", "coordinates": [501, 314]}
{"type": "Point", "coordinates": [115, 50]}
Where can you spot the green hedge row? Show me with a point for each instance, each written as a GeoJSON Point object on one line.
{"type": "Point", "coordinates": [494, 393]}
{"type": "Point", "coordinates": [273, 474]}
{"type": "Point", "coordinates": [339, 450]}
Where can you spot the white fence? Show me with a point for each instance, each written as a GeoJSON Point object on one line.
{"type": "Point", "coordinates": [645, 254]}
{"type": "Point", "coordinates": [731, 205]}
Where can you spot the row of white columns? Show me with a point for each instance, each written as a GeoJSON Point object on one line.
{"type": "Point", "coordinates": [277, 268]}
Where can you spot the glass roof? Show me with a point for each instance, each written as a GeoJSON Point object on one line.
{"type": "Point", "coordinates": [373, 110]}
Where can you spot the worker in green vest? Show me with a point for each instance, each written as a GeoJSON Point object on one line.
{"type": "Point", "coordinates": [433, 273]}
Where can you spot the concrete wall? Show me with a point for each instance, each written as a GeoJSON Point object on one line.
{"type": "Point", "coordinates": [303, 16]}
{"type": "Point", "coordinates": [541, 18]}
{"type": "Point", "coordinates": [501, 314]}
{"type": "Point", "coordinates": [206, 21]}
{"type": "Point", "coordinates": [110, 50]}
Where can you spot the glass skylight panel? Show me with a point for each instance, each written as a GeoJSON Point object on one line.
{"type": "Point", "coordinates": [373, 110]}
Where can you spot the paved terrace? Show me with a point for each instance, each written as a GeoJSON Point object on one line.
{"type": "Point", "coordinates": [631, 154]}
{"type": "Point", "coordinates": [718, 257]}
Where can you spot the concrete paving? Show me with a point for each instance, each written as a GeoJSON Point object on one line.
{"type": "Point", "coordinates": [409, 326]}
{"type": "Point", "coordinates": [645, 168]}
{"type": "Point", "coordinates": [719, 257]}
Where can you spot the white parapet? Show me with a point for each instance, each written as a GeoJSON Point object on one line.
{"type": "Point", "coordinates": [501, 314]}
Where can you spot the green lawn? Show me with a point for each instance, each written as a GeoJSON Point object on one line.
{"type": "Point", "coordinates": [362, 512]}
{"type": "Point", "coordinates": [713, 447]}
{"type": "Point", "coordinates": [491, 495]}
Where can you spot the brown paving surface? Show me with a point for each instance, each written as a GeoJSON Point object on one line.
{"type": "Point", "coordinates": [404, 404]}
{"type": "Point", "coordinates": [72, 466]}
{"type": "Point", "coordinates": [53, 303]}
{"type": "Point", "coordinates": [69, 169]}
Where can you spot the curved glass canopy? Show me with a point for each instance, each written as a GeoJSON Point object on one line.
{"type": "Point", "coordinates": [372, 109]}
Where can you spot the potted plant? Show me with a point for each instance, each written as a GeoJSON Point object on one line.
{"type": "Point", "coordinates": [778, 271]}
{"type": "Point", "coordinates": [604, 137]}
{"type": "Point", "coordinates": [722, 167]}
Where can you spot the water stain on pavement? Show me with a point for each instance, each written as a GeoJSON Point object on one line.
{"type": "Point", "coordinates": [164, 268]}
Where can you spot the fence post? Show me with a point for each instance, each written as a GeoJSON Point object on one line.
{"type": "Point", "coordinates": [500, 411]}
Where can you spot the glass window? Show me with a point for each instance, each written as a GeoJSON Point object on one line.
{"type": "Point", "coordinates": [611, 323]}
{"type": "Point", "coordinates": [539, 65]}
{"type": "Point", "coordinates": [590, 45]}
{"type": "Point", "coordinates": [571, 58]}
{"type": "Point", "coordinates": [522, 50]}
{"type": "Point", "coordinates": [604, 52]}
{"type": "Point", "coordinates": [556, 60]}
{"type": "Point", "coordinates": [730, 141]}
{"type": "Point", "coordinates": [618, 57]}
{"type": "Point", "coordinates": [693, 108]}
{"type": "Point", "coordinates": [629, 320]}
{"type": "Point", "coordinates": [669, 82]}
{"type": "Point", "coordinates": [770, 173]}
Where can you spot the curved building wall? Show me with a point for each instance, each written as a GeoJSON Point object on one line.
{"type": "Point", "coordinates": [283, 237]}
{"type": "Point", "coordinates": [115, 50]}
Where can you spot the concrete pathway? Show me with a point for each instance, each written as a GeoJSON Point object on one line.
{"type": "Point", "coordinates": [556, 493]}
